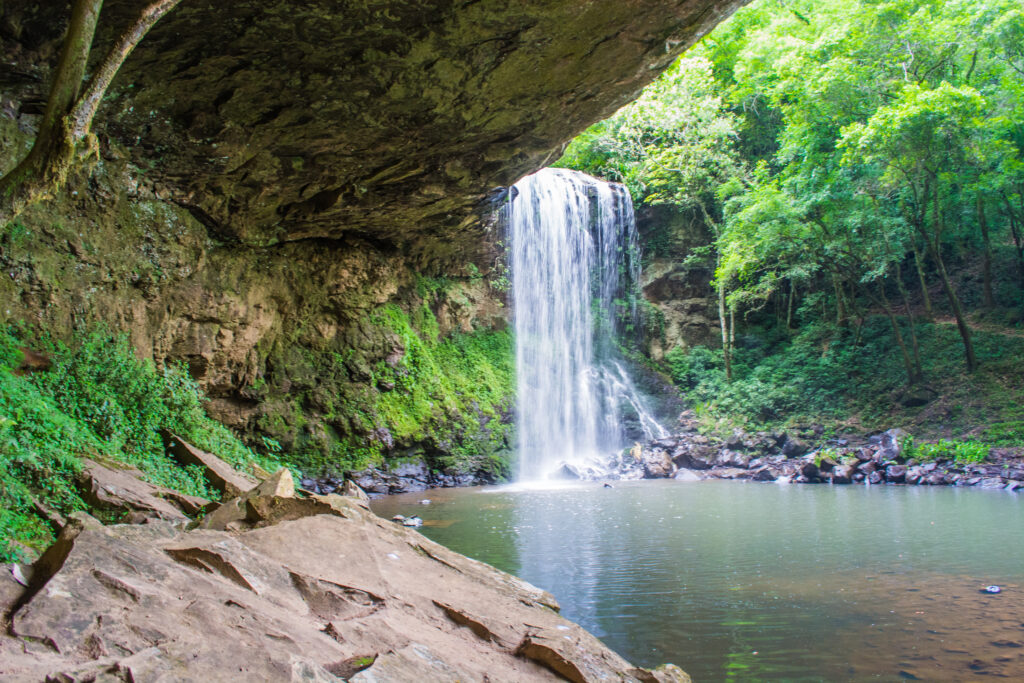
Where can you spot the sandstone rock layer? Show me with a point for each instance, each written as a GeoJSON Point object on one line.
{"type": "Point", "coordinates": [340, 596]}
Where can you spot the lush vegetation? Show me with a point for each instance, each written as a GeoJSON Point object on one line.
{"type": "Point", "coordinates": [447, 398]}
{"type": "Point", "coordinates": [859, 167]}
{"type": "Point", "coordinates": [98, 400]}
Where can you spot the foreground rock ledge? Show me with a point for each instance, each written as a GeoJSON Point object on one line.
{"type": "Point", "coordinates": [327, 597]}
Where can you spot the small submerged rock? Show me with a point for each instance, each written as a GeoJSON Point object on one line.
{"type": "Point", "coordinates": [412, 522]}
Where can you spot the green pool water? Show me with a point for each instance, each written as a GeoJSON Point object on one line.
{"type": "Point", "coordinates": [745, 581]}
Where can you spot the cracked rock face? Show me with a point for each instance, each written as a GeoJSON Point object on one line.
{"type": "Point", "coordinates": [391, 120]}
{"type": "Point", "coordinates": [327, 597]}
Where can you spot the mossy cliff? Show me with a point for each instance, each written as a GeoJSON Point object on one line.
{"type": "Point", "coordinates": [295, 200]}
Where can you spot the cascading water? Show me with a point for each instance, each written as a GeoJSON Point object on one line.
{"type": "Point", "coordinates": [574, 251]}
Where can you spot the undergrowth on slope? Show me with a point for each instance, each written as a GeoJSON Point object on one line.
{"type": "Point", "coordinates": [831, 376]}
{"type": "Point", "coordinates": [98, 400]}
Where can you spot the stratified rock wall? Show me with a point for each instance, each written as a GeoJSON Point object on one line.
{"type": "Point", "coordinates": [295, 199]}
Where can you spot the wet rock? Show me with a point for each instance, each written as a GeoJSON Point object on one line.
{"type": "Point", "coordinates": [876, 477]}
{"type": "Point", "coordinates": [867, 467]}
{"type": "Point", "coordinates": [567, 471]}
{"type": "Point", "coordinates": [891, 445]}
{"type": "Point", "coordinates": [895, 474]}
{"type": "Point", "coordinates": [842, 474]}
{"type": "Point", "coordinates": [794, 447]}
{"type": "Point", "coordinates": [657, 464]}
{"type": "Point", "coordinates": [763, 474]}
{"type": "Point", "coordinates": [914, 475]}
{"type": "Point", "coordinates": [808, 469]}
{"type": "Point", "coordinates": [693, 456]}
{"type": "Point", "coordinates": [826, 463]}
{"type": "Point", "coordinates": [730, 458]}
{"type": "Point", "coordinates": [728, 473]}
{"type": "Point", "coordinates": [688, 475]}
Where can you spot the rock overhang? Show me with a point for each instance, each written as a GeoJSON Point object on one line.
{"type": "Point", "coordinates": [389, 121]}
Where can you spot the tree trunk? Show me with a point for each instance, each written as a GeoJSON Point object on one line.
{"type": "Point", "coordinates": [726, 350]}
{"type": "Point", "coordinates": [47, 164]}
{"type": "Point", "coordinates": [840, 308]}
{"type": "Point", "coordinates": [1015, 231]}
{"type": "Point", "coordinates": [919, 373]}
{"type": "Point", "coordinates": [911, 375]}
{"type": "Point", "coordinates": [789, 312]}
{"type": "Point", "coordinates": [919, 263]}
{"type": "Point", "coordinates": [934, 249]}
{"type": "Point", "coordinates": [986, 267]}
{"type": "Point", "coordinates": [69, 112]}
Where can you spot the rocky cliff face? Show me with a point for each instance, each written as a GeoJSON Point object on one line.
{"type": "Point", "coordinates": [281, 187]}
{"type": "Point", "coordinates": [683, 308]}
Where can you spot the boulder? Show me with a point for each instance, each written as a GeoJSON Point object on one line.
{"type": "Point", "coordinates": [730, 458]}
{"type": "Point", "coordinates": [687, 475]}
{"type": "Point", "coordinates": [352, 490]}
{"type": "Point", "coordinates": [842, 474]}
{"type": "Point", "coordinates": [657, 464]}
{"type": "Point", "coordinates": [227, 480]}
{"type": "Point", "coordinates": [876, 477]}
{"type": "Point", "coordinates": [567, 471]}
{"type": "Point", "coordinates": [891, 445]}
{"type": "Point", "coordinates": [124, 490]}
{"type": "Point", "coordinates": [736, 441]}
{"type": "Point", "coordinates": [693, 456]}
{"type": "Point", "coordinates": [895, 474]}
{"type": "Point", "coordinates": [808, 469]}
{"type": "Point", "coordinates": [318, 598]}
{"type": "Point", "coordinates": [794, 447]}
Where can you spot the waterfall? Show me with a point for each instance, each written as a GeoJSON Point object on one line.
{"type": "Point", "coordinates": [574, 259]}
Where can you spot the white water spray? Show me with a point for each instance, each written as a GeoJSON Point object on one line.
{"type": "Point", "coordinates": [574, 249]}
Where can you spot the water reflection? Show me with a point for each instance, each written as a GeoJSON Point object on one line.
{"type": "Point", "coordinates": [749, 581]}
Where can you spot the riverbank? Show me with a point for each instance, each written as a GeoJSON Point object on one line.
{"type": "Point", "coordinates": [891, 457]}
{"type": "Point", "coordinates": [269, 584]}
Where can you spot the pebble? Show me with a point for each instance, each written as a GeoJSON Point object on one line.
{"type": "Point", "coordinates": [992, 589]}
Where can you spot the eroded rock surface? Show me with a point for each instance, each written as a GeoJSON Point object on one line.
{"type": "Point", "coordinates": [322, 597]}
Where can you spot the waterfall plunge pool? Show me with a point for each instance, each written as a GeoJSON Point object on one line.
{"type": "Point", "coordinates": [746, 581]}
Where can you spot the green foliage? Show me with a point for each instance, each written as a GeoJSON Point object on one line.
{"type": "Point", "coordinates": [826, 374]}
{"type": "Point", "coordinates": [825, 144]}
{"type": "Point", "coordinates": [100, 401]}
{"type": "Point", "coordinates": [452, 391]}
{"type": "Point", "coordinates": [960, 451]}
